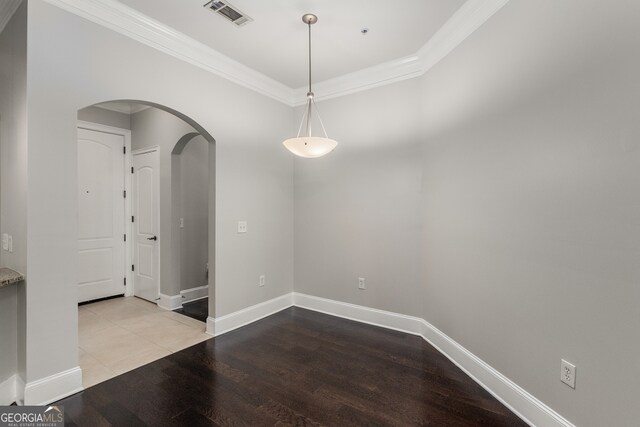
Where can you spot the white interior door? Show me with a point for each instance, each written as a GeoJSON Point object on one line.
{"type": "Point", "coordinates": [101, 215]}
{"type": "Point", "coordinates": [146, 225]}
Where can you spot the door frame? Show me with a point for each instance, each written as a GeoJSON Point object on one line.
{"type": "Point", "coordinates": [131, 242]}
{"type": "Point", "coordinates": [126, 133]}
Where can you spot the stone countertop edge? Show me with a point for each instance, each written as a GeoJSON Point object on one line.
{"type": "Point", "coordinates": [9, 277]}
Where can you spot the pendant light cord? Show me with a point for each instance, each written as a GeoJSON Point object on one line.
{"type": "Point", "coordinates": [311, 103]}
{"type": "Point", "coordinates": [309, 95]}
{"type": "Point", "coordinates": [309, 57]}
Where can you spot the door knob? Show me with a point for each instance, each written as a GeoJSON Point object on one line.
{"type": "Point", "coordinates": [152, 238]}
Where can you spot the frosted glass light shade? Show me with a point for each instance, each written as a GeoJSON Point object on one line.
{"type": "Point", "coordinates": [310, 146]}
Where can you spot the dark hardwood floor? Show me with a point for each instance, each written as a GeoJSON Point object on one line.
{"type": "Point", "coordinates": [197, 309]}
{"type": "Point", "coordinates": [297, 367]}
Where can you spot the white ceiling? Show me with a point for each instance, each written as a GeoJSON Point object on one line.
{"type": "Point", "coordinates": [275, 43]}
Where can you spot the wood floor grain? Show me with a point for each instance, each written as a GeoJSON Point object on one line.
{"type": "Point", "coordinates": [198, 310]}
{"type": "Point", "coordinates": [298, 368]}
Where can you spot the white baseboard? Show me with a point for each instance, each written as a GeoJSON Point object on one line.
{"type": "Point", "coordinates": [194, 294]}
{"type": "Point", "coordinates": [12, 390]}
{"type": "Point", "coordinates": [514, 397]}
{"type": "Point", "coordinates": [518, 400]}
{"type": "Point", "coordinates": [8, 391]}
{"type": "Point", "coordinates": [54, 387]}
{"type": "Point", "coordinates": [522, 403]}
{"type": "Point", "coordinates": [224, 324]}
{"type": "Point", "coordinates": [19, 390]}
{"type": "Point", "coordinates": [211, 326]}
{"type": "Point", "coordinates": [170, 302]}
{"type": "Point", "coordinates": [372, 316]}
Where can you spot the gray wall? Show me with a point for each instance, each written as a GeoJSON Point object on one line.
{"type": "Point", "coordinates": [154, 127]}
{"type": "Point", "coordinates": [194, 209]}
{"type": "Point", "coordinates": [531, 211]}
{"type": "Point", "coordinates": [105, 117]}
{"type": "Point", "coordinates": [519, 210]}
{"type": "Point", "coordinates": [253, 173]}
{"type": "Point", "coordinates": [357, 210]}
{"type": "Point", "coordinates": [13, 187]}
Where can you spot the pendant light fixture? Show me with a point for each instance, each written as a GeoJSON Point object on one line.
{"type": "Point", "coordinates": [307, 145]}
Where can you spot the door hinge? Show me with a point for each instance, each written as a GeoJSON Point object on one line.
{"type": "Point", "coordinates": [124, 150]}
{"type": "Point", "coordinates": [125, 193]}
{"type": "Point", "coordinates": [125, 281]}
{"type": "Point", "coordinates": [133, 218]}
{"type": "Point", "coordinates": [125, 237]}
{"type": "Point", "coordinates": [131, 169]}
{"type": "Point", "coordinates": [133, 267]}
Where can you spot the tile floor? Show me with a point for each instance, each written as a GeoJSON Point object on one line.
{"type": "Point", "coordinates": [121, 334]}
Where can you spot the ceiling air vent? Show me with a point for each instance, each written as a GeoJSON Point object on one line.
{"type": "Point", "coordinates": [229, 12]}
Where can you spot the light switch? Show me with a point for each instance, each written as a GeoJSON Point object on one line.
{"type": "Point", "coordinates": [5, 241]}
{"type": "Point", "coordinates": [242, 226]}
{"type": "Point", "coordinates": [181, 222]}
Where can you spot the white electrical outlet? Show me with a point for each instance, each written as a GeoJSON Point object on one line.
{"type": "Point", "coordinates": [5, 241]}
{"type": "Point", "coordinates": [568, 373]}
{"type": "Point", "coordinates": [10, 243]}
{"type": "Point", "coordinates": [181, 222]}
{"type": "Point", "coordinates": [361, 283]}
{"type": "Point", "coordinates": [242, 226]}
{"type": "Point", "coordinates": [262, 280]}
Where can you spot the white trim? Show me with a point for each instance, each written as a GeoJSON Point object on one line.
{"type": "Point", "coordinates": [131, 23]}
{"type": "Point", "coordinates": [8, 391]}
{"type": "Point", "coordinates": [194, 294]}
{"type": "Point", "coordinates": [128, 246]}
{"type": "Point", "coordinates": [471, 16]}
{"type": "Point", "coordinates": [224, 324]}
{"type": "Point", "coordinates": [53, 387]}
{"type": "Point", "coordinates": [145, 150]}
{"type": "Point", "coordinates": [518, 400]}
{"type": "Point", "coordinates": [372, 316]}
{"type": "Point", "coordinates": [170, 302]}
{"type": "Point", "coordinates": [12, 390]}
{"type": "Point", "coordinates": [7, 9]}
{"type": "Point", "coordinates": [211, 326]}
{"type": "Point", "coordinates": [98, 127]}
{"type": "Point", "coordinates": [19, 390]}
{"type": "Point", "coordinates": [123, 108]}
{"type": "Point", "coordinates": [461, 25]}
{"type": "Point", "coordinates": [358, 81]}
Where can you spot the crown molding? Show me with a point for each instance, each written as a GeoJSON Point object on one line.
{"type": "Point", "coordinates": [7, 9]}
{"type": "Point", "coordinates": [471, 15]}
{"type": "Point", "coordinates": [361, 80]}
{"type": "Point", "coordinates": [131, 23]}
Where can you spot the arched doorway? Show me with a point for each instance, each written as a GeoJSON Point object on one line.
{"type": "Point", "coordinates": [191, 168]}
{"type": "Point", "coordinates": [130, 238]}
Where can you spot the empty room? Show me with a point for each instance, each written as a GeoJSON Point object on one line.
{"type": "Point", "coordinates": [320, 212]}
